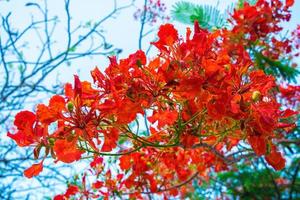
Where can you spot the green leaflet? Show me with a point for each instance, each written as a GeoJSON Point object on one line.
{"type": "Point", "coordinates": [209, 17]}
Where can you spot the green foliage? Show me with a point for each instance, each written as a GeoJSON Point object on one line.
{"type": "Point", "coordinates": [277, 68]}
{"type": "Point", "coordinates": [240, 3]}
{"type": "Point", "coordinates": [209, 17]}
{"type": "Point", "coordinates": [72, 49]}
{"type": "Point", "coordinates": [250, 183]}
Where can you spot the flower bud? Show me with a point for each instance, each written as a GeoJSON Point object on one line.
{"type": "Point", "coordinates": [227, 67]}
{"type": "Point", "coordinates": [148, 164]}
{"type": "Point", "coordinates": [51, 141]}
{"type": "Point", "coordinates": [70, 106]}
{"type": "Point", "coordinates": [256, 95]}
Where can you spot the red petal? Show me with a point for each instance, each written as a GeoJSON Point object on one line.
{"type": "Point", "coordinates": [98, 77]}
{"type": "Point", "coordinates": [77, 86]}
{"type": "Point", "coordinates": [72, 190]}
{"type": "Point", "coordinates": [59, 197]}
{"type": "Point", "coordinates": [167, 34]}
{"type": "Point", "coordinates": [98, 184]}
{"type": "Point", "coordinates": [138, 56]}
{"type": "Point", "coordinates": [288, 113]}
{"type": "Point", "coordinates": [34, 170]}
{"type": "Point", "coordinates": [165, 117]}
{"type": "Point", "coordinates": [67, 151]}
{"type": "Point", "coordinates": [289, 3]}
{"type": "Point", "coordinates": [258, 144]}
{"type": "Point", "coordinates": [49, 114]}
{"type": "Point", "coordinates": [126, 162]}
{"type": "Point", "coordinates": [96, 161]}
{"type": "Point", "coordinates": [24, 120]}
{"type": "Point", "coordinates": [69, 91]}
{"type": "Point", "coordinates": [57, 103]}
{"type": "Point", "coordinates": [21, 139]}
{"type": "Point", "coordinates": [45, 115]}
{"type": "Point", "coordinates": [275, 159]}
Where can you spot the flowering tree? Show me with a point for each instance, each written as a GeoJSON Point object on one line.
{"type": "Point", "coordinates": [257, 181]}
{"type": "Point", "coordinates": [35, 47]}
{"type": "Point", "coordinates": [206, 97]}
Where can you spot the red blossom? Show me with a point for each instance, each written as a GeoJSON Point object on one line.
{"type": "Point", "coordinates": [67, 151]}
{"type": "Point", "coordinates": [202, 96]}
{"type": "Point", "coordinates": [168, 35]}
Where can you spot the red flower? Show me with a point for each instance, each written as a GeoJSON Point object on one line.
{"type": "Point", "coordinates": [126, 162]}
{"type": "Point", "coordinates": [27, 130]}
{"type": "Point", "coordinates": [206, 94]}
{"type": "Point", "coordinates": [67, 151]}
{"type": "Point", "coordinates": [167, 35]}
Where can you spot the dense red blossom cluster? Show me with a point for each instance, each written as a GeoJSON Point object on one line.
{"type": "Point", "coordinates": [203, 94]}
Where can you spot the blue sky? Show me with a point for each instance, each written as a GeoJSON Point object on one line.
{"type": "Point", "coordinates": [122, 31]}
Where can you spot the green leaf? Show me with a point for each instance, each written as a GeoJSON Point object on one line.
{"type": "Point", "coordinates": [20, 68]}
{"type": "Point", "coordinates": [72, 49]}
{"type": "Point", "coordinates": [277, 68]}
{"type": "Point", "coordinates": [209, 17]}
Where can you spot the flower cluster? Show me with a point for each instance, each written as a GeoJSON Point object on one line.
{"type": "Point", "coordinates": [203, 96]}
